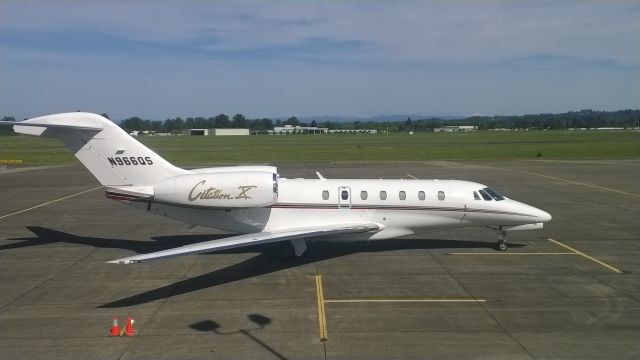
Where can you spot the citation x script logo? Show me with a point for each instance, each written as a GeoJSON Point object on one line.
{"type": "Point", "coordinates": [211, 193]}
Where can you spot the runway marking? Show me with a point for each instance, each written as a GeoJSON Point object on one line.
{"type": "Point", "coordinates": [569, 181]}
{"type": "Point", "coordinates": [405, 300]}
{"type": "Point", "coordinates": [50, 202]}
{"type": "Point", "coordinates": [514, 253]}
{"type": "Point", "coordinates": [578, 252]}
{"type": "Point", "coordinates": [322, 319]}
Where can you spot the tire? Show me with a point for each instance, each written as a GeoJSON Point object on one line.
{"type": "Point", "coordinates": [502, 246]}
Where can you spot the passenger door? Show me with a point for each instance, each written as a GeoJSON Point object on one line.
{"type": "Point", "coordinates": [344, 197]}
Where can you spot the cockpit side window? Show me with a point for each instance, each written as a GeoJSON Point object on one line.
{"type": "Point", "coordinates": [476, 196]}
{"type": "Point", "coordinates": [494, 195]}
{"type": "Point", "coordinates": [485, 195]}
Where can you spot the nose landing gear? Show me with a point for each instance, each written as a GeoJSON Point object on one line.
{"type": "Point", "coordinates": [501, 245]}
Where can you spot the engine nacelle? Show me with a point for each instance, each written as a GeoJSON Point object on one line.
{"type": "Point", "coordinates": [243, 189]}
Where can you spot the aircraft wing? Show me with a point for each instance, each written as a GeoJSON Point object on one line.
{"type": "Point", "coordinates": [251, 239]}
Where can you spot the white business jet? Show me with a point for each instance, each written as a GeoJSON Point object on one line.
{"type": "Point", "coordinates": [265, 208]}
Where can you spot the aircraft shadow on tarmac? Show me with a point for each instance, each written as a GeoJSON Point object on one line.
{"type": "Point", "coordinates": [265, 262]}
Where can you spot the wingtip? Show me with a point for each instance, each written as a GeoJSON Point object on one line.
{"type": "Point", "coordinates": [120, 261]}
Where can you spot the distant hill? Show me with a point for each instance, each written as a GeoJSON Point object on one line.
{"type": "Point", "coordinates": [376, 118]}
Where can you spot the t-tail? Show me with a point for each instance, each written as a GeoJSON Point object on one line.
{"type": "Point", "coordinates": [108, 152]}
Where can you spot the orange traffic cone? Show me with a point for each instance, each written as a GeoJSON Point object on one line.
{"type": "Point", "coordinates": [129, 331]}
{"type": "Point", "coordinates": [114, 327]}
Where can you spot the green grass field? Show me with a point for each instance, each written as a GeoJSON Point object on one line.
{"type": "Point", "coordinates": [363, 147]}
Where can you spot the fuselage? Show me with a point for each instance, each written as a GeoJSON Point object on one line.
{"type": "Point", "coordinates": [400, 207]}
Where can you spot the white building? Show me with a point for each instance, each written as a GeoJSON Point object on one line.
{"type": "Point", "coordinates": [462, 128]}
{"type": "Point", "coordinates": [233, 132]}
{"type": "Point", "coordinates": [353, 131]}
{"type": "Point", "coordinates": [290, 129]}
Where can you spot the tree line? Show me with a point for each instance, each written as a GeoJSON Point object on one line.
{"type": "Point", "coordinates": [588, 119]}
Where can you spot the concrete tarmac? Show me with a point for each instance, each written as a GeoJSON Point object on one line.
{"type": "Point", "coordinates": [569, 291]}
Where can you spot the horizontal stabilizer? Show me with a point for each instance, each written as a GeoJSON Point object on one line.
{"type": "Point", "coordinates": [251, 239]}
{"type": "Point", "coordinates": [49, 125]}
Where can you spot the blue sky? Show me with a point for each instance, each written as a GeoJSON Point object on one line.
{"type": "Point", "coordinates": [161, 59]}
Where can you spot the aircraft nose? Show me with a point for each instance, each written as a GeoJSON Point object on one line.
{"type": "Point", "coordinates": [542, 215]}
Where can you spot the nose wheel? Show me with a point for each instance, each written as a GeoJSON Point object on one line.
{"type": "Point", "coordinates": [501, 245]}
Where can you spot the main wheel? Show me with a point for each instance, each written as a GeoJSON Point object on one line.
{"type": "Point", "coordinates": [502, 245]}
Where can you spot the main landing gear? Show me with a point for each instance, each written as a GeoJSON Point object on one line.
{"type": "Point", "coordinates": [293, 248]}
{"type": "Point", "coordinates": [501, 245]}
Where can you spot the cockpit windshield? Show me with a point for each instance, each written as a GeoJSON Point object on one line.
{"type": "Point", "coordinates": [485, 195]}
{"type": "Point", "coordinates": [494, 195]}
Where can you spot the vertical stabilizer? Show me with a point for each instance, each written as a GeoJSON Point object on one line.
{"type": "Point", "coordinates": [108, 152]}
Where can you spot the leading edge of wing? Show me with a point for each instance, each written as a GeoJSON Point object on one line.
{"type": "Point", "coordinates": [251, 239]}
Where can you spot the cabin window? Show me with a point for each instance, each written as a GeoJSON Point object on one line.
{"type": "Point", "coordinates": [476, 196]}
{"type": "Point", "coordinates": [325, 195]}
{"type": "Point", "coordinates": [344, 194]}
{"type": "Point", "coordinates": [421, 195]}
{"type": "Point", "coordinates": [402, 195]}
{"type": "Point", "coordinates": [383, 195]}
{"type": "Point", "coordinates": [363, 195]}
{"type": "Point", "coordinates": [440, 195]}
{"type": "Point", "coordinates": [485, 195]}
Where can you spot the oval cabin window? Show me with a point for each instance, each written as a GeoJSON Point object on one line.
{"type": "Point", "coordinates": [421, 195]}
{"type": "Point", "coordinates": [402, 195]}
{"type": "Point", "coordinates": [325, 195]}
{"type": "Point", "coordinates": [363, 195]}
{"type": "Point", "coordinates": [344, 194]}
{"type": "Point", "coordinates": [440, 195]}
{"type": "Point", "coordinates": [383, 195]}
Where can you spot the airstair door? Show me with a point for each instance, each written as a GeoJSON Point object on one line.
{"type": "Point", "coordinates": [344, 197]}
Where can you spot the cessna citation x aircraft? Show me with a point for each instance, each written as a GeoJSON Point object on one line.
{"type": "Point", "coordinates": [265, 208]}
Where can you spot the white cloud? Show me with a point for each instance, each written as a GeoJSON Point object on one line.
{"type": "Point", "coordinates": [331, 57]}
{"type": "Point", "coordinates": [411, 31]}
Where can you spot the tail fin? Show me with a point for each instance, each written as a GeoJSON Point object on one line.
{"type": "Point", "coordinates": [107, 151]}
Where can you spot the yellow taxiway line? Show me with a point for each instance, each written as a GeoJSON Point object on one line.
{"type": "Point", "coordinates": [514, 253]}
{"type": "Point", "coordinates": [322, 319]}
{"type": "Point", "coordinates": [405, 300]}
{"type": "Point", "coordinates": [567, 180]}
{"type": "Point", "coordinates": [573, 252]}
{"type": "Point", "coordinates": [50, 202]}
{"type": "Point", "coordinates": [578, 252]}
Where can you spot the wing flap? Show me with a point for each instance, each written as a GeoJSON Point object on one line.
{"type": "Point", "coordinates": [250, 239]}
